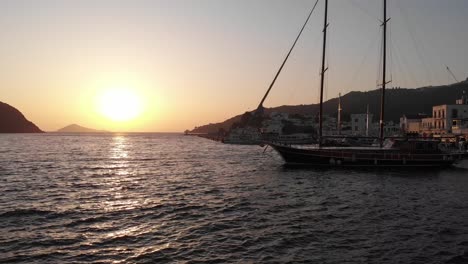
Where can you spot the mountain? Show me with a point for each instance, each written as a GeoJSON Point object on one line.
{"type": "Point", "coordinates": [13, 121]}
{"type": "Point", "coordinates": [398, 101]}
{"type": "Point", "coordinates": [74, 128]}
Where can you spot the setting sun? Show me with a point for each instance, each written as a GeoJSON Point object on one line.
{"type": "Point", "coordinates": [120, 105]}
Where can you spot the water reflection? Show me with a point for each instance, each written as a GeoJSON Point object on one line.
{"type": "Point", "coordinates": [119, 156]}
{"type": "Point", "coordinates": [119, 147]}
{"type": "Point", "coordinates": [119, 175]}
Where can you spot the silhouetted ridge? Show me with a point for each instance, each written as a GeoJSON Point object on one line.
{"type": "Point", "coordinates": [13, 121]}
{"type": "Point", "coordinates": [74, 128]}
{"type": "Point", "coordinates": [399, 101]}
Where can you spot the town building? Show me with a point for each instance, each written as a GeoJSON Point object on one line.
{"type": "Point", "coordinates": [392, 129]}
{"type": "Point", "coordinates": [277, 122]}
{"type": "Point", "coordinates": [360, 126]}
{"type": "Point", "coordinates": [411, 124]}
{"type": "Point", "coordinates": [447, 119]}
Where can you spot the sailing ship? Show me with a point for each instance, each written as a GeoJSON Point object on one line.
{"type": "Point", "coordinates": [397, 152]}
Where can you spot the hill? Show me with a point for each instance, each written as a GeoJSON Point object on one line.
{"type": "Point", "coordinates": [74, 128]}
{"type": "Point", "coordinates": [399, 101]}
{"type": "Point", "coordinates": [13, 121]}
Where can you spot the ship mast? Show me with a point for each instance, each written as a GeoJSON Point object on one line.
{"type": "Point", "coordinates": [367, 121]}
{"type": "Point", "coordinates": [382, 103]}
{"type": "Point", "coordinates": [322, 73]}
{"type": "Point", "coordinates": [339, 114]}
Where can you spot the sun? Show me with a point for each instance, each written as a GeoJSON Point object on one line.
{"type": "Point", "coordinates": [120, 105]}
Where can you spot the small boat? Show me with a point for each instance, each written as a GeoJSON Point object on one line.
{"type": "Point", "coordinates": [406, 152]}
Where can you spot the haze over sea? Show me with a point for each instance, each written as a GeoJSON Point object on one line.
{"type": "Point", "coordinates": [158, 198]}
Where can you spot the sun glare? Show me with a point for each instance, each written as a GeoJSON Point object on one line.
{"type": "Point", "coordinates": [120, 105]}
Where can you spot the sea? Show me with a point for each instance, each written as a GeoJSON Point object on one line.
{"type": "Point", "coordinates": [170, 198]}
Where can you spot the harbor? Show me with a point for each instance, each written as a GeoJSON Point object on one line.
{"type": "Point", "coordinates": [230, 131]}
{"type": "Point", "coordinates": [391, 148]}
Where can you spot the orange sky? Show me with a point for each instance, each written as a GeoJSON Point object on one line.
{"type": "Point", "coordinates": [195, 62]}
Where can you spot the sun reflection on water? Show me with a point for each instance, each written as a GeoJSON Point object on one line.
{"type": "Point", "coordinates": [120, 197]}
{"type": "Point", "coordinates": [119, 155]}
{"type": "Point", "coordinates": [119, 147]}
{"type": "Point", "coordinates": [120, 176]}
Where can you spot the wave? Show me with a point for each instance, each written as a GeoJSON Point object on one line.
{"type": "Point", "coordinates": [26, 213]}
{"type": "Point", "coordinates": [88, 221]}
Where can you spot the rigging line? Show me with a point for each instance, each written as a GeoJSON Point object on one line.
{"type": "Point", "coordinates": [451, 73]}
{"type": "Point", "coordinates": [326, 86]}
{"type": "Point", "coordinates": [294, 90]}
{"type": "Point", "coordinates": [318, 88]}
{"type": "Point", "coordinates": [390, 52]}
{"type": "Point", "coordinates": [328, 60]}
{"type": "Point", "coordinates": [415, 44]}
{"type": "Point", "coordinates": [380, 64]}
{"type": "Point", "coordinates": [359, 6]}
{"type": "Point", "coordinates": [398, 66]}
{"type": "Point", "coordinates": [292, 94]}
{"type": "Point", "coordinates": [405, 64]}
{"type": "Point", "coordinates": [260, 106]}
{"type": "Point", "coordinates": [404, 77]}
{"type": "Point", "coordinates": [358, 69]}
{"type": "Point", "coordinates": [448, 78]}
{"type": "Point", "coordinates": [389, 48]}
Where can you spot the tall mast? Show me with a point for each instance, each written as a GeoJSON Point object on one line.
{"type": "Point", "coordinates": [339, 114]}
{"type": "Point", "coordinates": [382, 103]}
{"type": "Point", "coordinates": [367, 121]}
{"type": "Point", "coordinates": [322, 73]}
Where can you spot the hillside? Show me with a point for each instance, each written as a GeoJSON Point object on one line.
{"type": "Point", "coordinates": [74, 128]}
{"type": "Point", "coordinates": [13, 121]}
{"type": "Point", "coordinates": [399, 101]}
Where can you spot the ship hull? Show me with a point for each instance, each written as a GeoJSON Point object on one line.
{"type": "Point", "coordinates": [363, 157]}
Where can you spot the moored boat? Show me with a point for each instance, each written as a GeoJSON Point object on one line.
{"type": "Point", "coordinates": [394, 153]}
{"type": "Point", "coordinates": [413, 152]}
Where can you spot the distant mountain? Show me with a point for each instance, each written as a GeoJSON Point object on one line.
{"type": "Point", "coordinates": [399, 101]}
{"type": "Point", "coordinates": [74, 128]}
{"type": "Point", "coordinates": [13, 121]}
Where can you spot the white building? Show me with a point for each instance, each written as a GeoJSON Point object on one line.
{"type": "Point", "coordinates": [391, 129]}
{"type": "Point", "coordinates": [360, 126]}
{"type": "Point", "coordinates": [448, 119]}
{"type": "Point", "coordinates": [276, 122]}
{"type": "Point", "coordinates": [274, 125]}
{"type": "Point", "coordinates": [412, 123]}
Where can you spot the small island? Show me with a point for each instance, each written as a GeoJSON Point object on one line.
{"type": "Point", "coordinates": [74, 128]}
{"type": "Point", "coordinates": [13, 121]}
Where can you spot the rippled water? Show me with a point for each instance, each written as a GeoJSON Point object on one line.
{"type": "Point", "coordinates": [156, 198]}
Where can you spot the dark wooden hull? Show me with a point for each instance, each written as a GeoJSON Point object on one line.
{"type": "Point", "coordinates": [364, 157]}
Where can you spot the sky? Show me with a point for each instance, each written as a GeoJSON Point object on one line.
{"type": "Point", "coordinates": [193, 62]}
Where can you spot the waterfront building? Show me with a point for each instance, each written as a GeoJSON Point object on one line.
{"type": "Point", "coordinates": [279, 122]}
{"type": "Point", "coordinates": [361, 125]}
{"type": "Point", "coordinates": [392, 129]}
{"type": "Point", "coordinates": [412, 124]}
{"type": "Point", "coordinates": [447, 119]}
